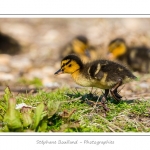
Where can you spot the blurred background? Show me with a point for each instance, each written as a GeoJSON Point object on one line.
{"type": "Point", "coordinates": [30, 48]}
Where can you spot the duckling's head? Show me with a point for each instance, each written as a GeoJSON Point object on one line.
{"type": "Point", "coordinates": [70, 64]}
{"type": "Point", "coordinates": [80, 45]}
{"type": "Point", "coordinates": [117, 48]}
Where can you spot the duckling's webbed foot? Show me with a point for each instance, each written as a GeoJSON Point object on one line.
{"type": "Point", "coordinates": [103, 103]}
{"type": "Point", "coordinates": [114, 92]}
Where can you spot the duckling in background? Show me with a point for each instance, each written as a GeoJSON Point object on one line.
{"type": "Point", "coordinates": [80, 46]}
{"type": "Point", "coordinates": [103, 74]}
{"type": "Point", "coordinates": [9, 45]}
{"type": "Point", "coordinates": [137, 58]}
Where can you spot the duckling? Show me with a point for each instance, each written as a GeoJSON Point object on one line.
{"type": "Point", "coordinates": [9, 45]}
{"type": "Point", "coordinates": [104, 74]}
{"type": "Point", "coordinates": [136, 58]}
{"type": "Point", "coordinates": [80, 46]}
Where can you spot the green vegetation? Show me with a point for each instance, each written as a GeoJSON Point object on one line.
{"type": "Point", "coordinates": [34, 82]}
{"type": "Point", "coordinates": [67, 110]}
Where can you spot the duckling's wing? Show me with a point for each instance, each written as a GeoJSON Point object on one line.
{"type": "Point", "coordinates": [93, 70]}
{"type": "Point", "coordinates": [107, 71]}
{"type": "Point", "coordinates": [97, 69]}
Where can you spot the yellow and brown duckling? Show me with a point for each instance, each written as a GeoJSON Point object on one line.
{"type": "Point", "coordinates": [80, 46]}
{"type": "Point", "coordinates": [137, 58]}
{"type": "Point", "coordinates": [103, 74]}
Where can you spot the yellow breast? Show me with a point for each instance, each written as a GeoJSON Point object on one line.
{"type": "Point", "coordinates": [89, 82]}
{"type": "Point", "coordinates": [80, 79]}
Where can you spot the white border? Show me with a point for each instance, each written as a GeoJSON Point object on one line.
{"type": "Point", "coordinates": [129, 7]}
{"type": "Point", "coordinates": [74, 7]}
{"type": "Point", "coordinates": [86, 141]}
{"type": "Point", "coordinates": [75, 16]}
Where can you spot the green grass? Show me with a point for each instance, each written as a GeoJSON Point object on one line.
{"type": "Point", "coordinates": [34, 82]}
{"type": "Point", "coordinates": [68, 110]}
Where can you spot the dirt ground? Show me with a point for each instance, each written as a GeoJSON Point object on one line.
{"type": "Point", "coordinates": [30, 47]}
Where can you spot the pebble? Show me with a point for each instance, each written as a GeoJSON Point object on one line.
{"type": "Point", "coordinates": [20, 63]}
{"type": "Point", "coordinates": [6, 76]}
{"type": "Point", "coordinates": [4, 68]}
{"type": "Point", "coordinates": [51, 84]}
{"type": "Point", "coordinates": [144, 85]}
{"type": "Point", "coordinates": [5, 59]}
{"type": "Point", "coordinates": [34, 73]}
{"type": "Point", "coordinates": [48, 70]}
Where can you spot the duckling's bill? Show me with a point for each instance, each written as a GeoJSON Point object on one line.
{"type": "Point", "coordinates": [87, 53]}
{"type": "Point", "coordinates": [110, 56]}
{"type": "Point", "coordinates": [58, 72]}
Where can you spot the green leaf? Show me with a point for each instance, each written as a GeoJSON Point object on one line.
{"type": "Point", "coordinates": [38, 116]}
{"type": "Point", "coordinates": [53, 107]}
{"type": "Point", "coordinates": [7, 96]}
{"type": "Point", "coordinates": [43, 125]}
{"type": "Point", "coordinates": [26, 114]}
{"type": "Point", "coordinates": [12, 116]}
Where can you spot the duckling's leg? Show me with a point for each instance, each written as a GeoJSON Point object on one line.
{"type": "Point", "coordinates": [114, 90]}
{"type": "Point", "coordinates": [104, 100]}
{"type": "Point", "coordinates": [106, 93]}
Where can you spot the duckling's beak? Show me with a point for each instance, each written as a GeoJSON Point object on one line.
{"type": "Point", "coordinates": [87, 53]}
{"type": "Point", "coordinates": [58, 72]}
{"type": "Point", "coordinates": [110, 56]}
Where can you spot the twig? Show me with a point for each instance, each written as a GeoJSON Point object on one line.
{"type": "Point", "coordinates": [72, 100]}
{"type": "Point", "coordinates": [111, 129]}
{"type": "Point", "coordinates": [95, 104]}
{"type": "Point", "coordinates": [111, 124]}
{"type": "Point", "coordinates": [139, 98]}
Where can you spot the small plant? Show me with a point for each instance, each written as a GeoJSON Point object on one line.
{"type": "Point", "coordinates": [28, 118]}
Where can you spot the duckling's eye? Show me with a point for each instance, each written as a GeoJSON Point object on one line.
{"type": "Point", "coordinates": [70, 65]}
